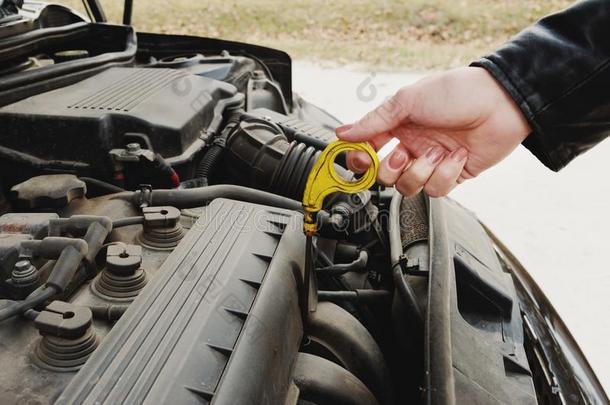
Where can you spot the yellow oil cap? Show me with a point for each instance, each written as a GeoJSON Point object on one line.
{"type": "Point", "coordinates": [324, 180]}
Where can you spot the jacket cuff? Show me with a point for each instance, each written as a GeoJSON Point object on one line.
{"type": "Point", "coordinates": [537, 142]}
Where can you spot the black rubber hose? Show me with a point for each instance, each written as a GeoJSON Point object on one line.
{"type": "Point", "coordinates": [212, 155]}
{"type": "Point", "coordinates": [108, 312]}
{"type": "Point", "coordinates": [78, 224]}
{"type": "Point", "coordinates": [110, 188]}
{"type": "Point", "coordinates": [165, 171]}
{"type": "Point", "coordinates": [196, 197]}
{"type": "Point", "coordinates": [95, 236]}
{"type": "Point", "coordinates": [209, 160]}
{"type": "Point", "coordinates": [365, 296]}
{"type": "Point", "coordinates": [95, 229]}
{"type": "Point", "coordinates": [293, 171]}
{"type": "Point", "coordinates": [41, 164]}
{"type": "Point", "coordinates": [404, 289]}
{"type": "Point", "coordinates": [119, 223]}
{"type": "Point", "coordinates": [51, 247]}
{"type": "Point", "coordinates": [34, 299]}
{"type": "Point", "coordinates": [337, 269]}
{"type": "Point", "coordinates": [31, 314]}
{"type": "Point", "coordinates": [65, 268]}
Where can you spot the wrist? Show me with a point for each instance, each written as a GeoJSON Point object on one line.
{"type": "Point", "coordinates": [506, 106]}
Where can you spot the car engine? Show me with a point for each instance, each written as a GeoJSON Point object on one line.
{"type": "Point", "coordinates": [151, 243]}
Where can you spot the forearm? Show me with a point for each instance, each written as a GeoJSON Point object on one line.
{"type": "Point", "coordinates": [558, 73]}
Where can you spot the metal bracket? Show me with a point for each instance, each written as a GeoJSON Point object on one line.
{"type": "Point", "coordinates": [410, 269]}
{"type": "Point", "coordinates": [145, 195]}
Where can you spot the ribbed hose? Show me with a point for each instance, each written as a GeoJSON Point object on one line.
{"type": "Point", "coordinates": [291, 176]}
{"type": "Point", "coordinates": [208, 161]}
{"type": "Point", "coordinates": [212, 155]}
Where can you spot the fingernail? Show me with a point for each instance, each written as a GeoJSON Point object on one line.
{"type": "Point", "coordinates": [434, 154]}
{"type": "Point", "coordinates": [459, 154]}
{"type": "Point", "coordinates": [343, 129]}
{"type": "Point", "coordinates": [398, 159]}
{"type": "Point", "coordinates": [357, 165]}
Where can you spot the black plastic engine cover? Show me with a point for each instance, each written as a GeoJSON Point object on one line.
{"type": "Point", "coordinates": [220, 324]}
{"type": "Point", "coordinates": [475, 343]}
{"type": "Point", "coordinates": [84, 121]}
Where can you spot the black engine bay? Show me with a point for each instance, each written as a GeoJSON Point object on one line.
{"type": "Point", "coordinates": [151, 244]}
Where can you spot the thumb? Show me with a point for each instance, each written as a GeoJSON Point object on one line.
{"type": "Point", "coordinates": [382, 119]}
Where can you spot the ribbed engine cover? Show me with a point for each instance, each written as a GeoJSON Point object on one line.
{"type": "Point", "coordinates": [221, 322]}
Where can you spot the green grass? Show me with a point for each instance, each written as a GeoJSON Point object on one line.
{"type": "Point", "coordinates": [406, 35]}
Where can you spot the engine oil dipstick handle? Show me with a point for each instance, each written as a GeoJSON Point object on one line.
{"type": "Point", "coordinates": [323, 180]}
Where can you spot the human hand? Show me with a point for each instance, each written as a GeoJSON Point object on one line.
{"type": "Point", "coordinates": [452, 126]}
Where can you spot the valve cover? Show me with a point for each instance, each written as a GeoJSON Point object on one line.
{"type": "Point", "coordinates": [207, 328]}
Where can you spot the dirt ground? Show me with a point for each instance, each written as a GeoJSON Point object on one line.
{"type": "Point", "coordinates": [393, 34]}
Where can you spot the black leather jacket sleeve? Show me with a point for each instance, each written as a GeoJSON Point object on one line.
{"type": "Point", "coordinates": [558, 73]}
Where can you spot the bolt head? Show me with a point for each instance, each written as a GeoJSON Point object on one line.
{"type": "Point", "coordinates": [22, 265]}
{"type": "Point", "coordinates": [133, 147]}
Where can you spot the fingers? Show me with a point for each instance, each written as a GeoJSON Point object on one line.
{"type": "Point", "coordinates": [413, 179]}
{"type": "Point", "coordinates": [392, 166]}
{"type": "Point", "coordinates": [382, 119]}
{"type": "Point", "coordinates": [358, 161]}
{"type": "Point", "coordinates": [435, 172]}
{"type": "Point", "coordinates": [446, 174]}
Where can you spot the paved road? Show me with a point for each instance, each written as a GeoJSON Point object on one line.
{"type": "Point", "coordinates": [557, 224]}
